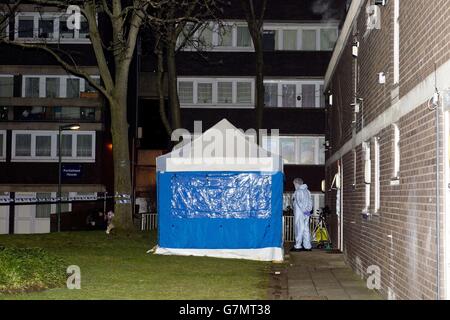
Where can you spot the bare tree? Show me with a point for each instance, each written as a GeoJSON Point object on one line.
{"type": "Point", "coordinates": [254, 12]}
{"type": "Point", "coordinates": [174, 27]}
{"type": "Point", "coordinates": [126, 19]}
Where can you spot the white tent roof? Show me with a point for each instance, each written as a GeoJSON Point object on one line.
{"type": "Point", "coordinates": [221, 148]}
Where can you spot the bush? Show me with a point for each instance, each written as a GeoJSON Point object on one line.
{"type": "Point", "coordinates": [29, 269]}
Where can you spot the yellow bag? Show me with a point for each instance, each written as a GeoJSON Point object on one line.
{"type": "Point", "coordinates": [321, 235]}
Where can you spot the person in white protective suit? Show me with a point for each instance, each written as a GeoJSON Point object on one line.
{"type": "Point", "coordinates": [302, 204]}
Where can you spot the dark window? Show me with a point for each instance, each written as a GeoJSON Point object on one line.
{"type": "Point", "coordinates": [269, 40]}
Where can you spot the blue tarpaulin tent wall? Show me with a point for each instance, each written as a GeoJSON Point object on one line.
{"type": "Point", "coordinates": [230, 211]}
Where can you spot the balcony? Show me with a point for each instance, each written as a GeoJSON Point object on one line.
{"type": "Point", "coordinates": [51, 109]}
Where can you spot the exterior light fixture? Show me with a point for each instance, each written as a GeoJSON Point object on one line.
{"type": "Point", "coordinates": [62, 128]}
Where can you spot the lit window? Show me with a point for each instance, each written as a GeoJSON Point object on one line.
{"type": "Point", "coordinates": [206, 37]}
{"type": "Point", "coordinates": [367, 175]}
{"type": "Point", "coordinates": [297, 150]}
{"type": "Point", "coordinates": [396, 165]}
{"type": "Point", "coordinates": [376, 155]}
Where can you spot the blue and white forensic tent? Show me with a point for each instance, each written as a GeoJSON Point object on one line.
{"type": "Point", "coordinates": [220, 195]}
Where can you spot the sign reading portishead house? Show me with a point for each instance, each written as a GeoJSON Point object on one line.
{"type": "Point", "coordinates": [71, 171]}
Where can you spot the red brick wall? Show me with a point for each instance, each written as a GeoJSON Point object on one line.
{"type": "Point", "coordinates": [401, 237]}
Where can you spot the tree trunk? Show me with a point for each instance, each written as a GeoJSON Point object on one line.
{"type": "Point", "coordinates": [123, 220]}
{"type": "Point", "coordinates": [160, 88]}
{"type": "Point", "coordinates": [174, 103]}
{"type": "Point", "coordinates": [259, 83]}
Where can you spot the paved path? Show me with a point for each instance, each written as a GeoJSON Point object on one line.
{"type": "Point", "coordinates": [318, 275]}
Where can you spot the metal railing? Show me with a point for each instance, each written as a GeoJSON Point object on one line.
{"type": "Point", "coordinates": [149, 221]}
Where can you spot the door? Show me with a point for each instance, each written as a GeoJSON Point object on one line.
{"type": "Point", "coordinates": [4, 215]}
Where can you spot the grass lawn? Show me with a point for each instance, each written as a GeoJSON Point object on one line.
{"type": "Point", "coordinates": [115, 267]}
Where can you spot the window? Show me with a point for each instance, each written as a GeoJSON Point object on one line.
{"type": "Point", "coordinates": [84, 145]}
{"type": "Point", "coordinates": [293, 94]}
{"type": "Point", "coordinates": [2, 145]}
{"type": "Point", "coordinates": [225, 36]}
{"type": "Point", "coordinates": [73, 88]}
{"type": "Point", "coordinates": [52, 88]}
{"type": "Point", "coordinates": [367, 175]}
{"type": "Point", "coordinates": [235, 36]}
{"type": "Point", "coordinates": [309, 40]}
{"type": "Point", "coordinates": [49, 27]}
{"type": "Point", "coordinates": [43, 146]}
{"type": "Point", "coordinates": [225, 92]}
{"type": "Point", "coordinates": [23, 145]}
{"type": "Point", "coordinates": [271, 95]}
{"type": "Point", "coordinates": [243, 37]}
{"type": "Point", "coordinates": [25, 27]}
{"type": "Point", "coordinates": [290, 39]}
{"type": "Point", "coordinates": [376, 154]}
{"type": "Point", "coordinates": [289, 95]}
{"type": "Point", "coordinates": [396, 164]}
{"type": "Point", "coordinates": [46, 29]}
{"type": "Point", "coordinates": [297, 150]}
{"type": "Point", "coordinates": [186, 91]}
{"type": "Point", "coordinates": [308, 96]}
{"type": "Point", "coordinates": [396, 41]}
{"type": "Point", "coordinates": [220, 92]}
{"type": "Point", "coordinates": [205, 93]}
{"type": "Point", "coordinates": [244, 92]}
{"type": "Point", "coordinates": [206, 37]}
{"type": "Point", "coordinates": [66, 145]}
{"type": "Point", "coordinates": [43, 211]}
{"type": "Point", "coordinates": [328, 39]}
{"type": "Point", "coordinates": [6, 86]}
{"type": "Point", "coordinates": [32, 87]}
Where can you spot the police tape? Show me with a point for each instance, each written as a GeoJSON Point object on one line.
{"type": "Point", "coordinates": [118, 198]}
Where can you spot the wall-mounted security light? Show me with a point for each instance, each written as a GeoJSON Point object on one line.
{"type": "Point", "coordinates": [355, 49]}
{"type": "Point", "coordinates": [381, 78]}
{"type": "Point", "coordinates": [330, 99]}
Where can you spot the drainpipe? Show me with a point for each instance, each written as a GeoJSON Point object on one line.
{"type": "Point", "coordinates": [438, 231]}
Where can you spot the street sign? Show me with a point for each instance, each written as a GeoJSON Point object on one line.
{"type": "Point", "coordinates": [71, 171]}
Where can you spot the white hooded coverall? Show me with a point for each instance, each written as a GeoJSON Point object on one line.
{"type": "Point", "coordinates": [302, 203]}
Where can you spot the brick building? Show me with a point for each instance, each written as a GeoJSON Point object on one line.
{"type": "Point", "coordinates": [387, 163]}
{"type": "Point", "coordinates": [37, 98]}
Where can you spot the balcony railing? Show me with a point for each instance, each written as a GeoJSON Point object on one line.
{"type": "Point", "coordinates": [50, 109]}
